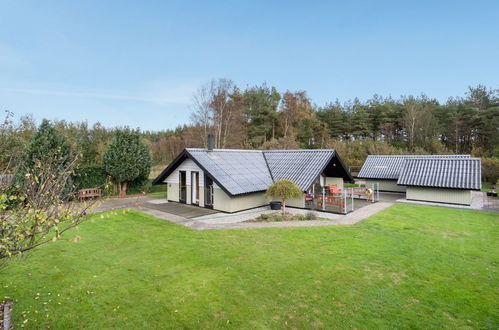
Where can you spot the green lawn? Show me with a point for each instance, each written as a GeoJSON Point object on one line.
{"type": "Point", "coordinates": [158, 191]}
{"type": "Point", "coordinates": [407, 267]}
{"type": "Point", "coordinates": [157, 194]}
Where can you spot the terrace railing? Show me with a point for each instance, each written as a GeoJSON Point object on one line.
{"type": "Point", "coordinates": [336, 203]}
{"type": "Point", "coordinates": [341, 200]}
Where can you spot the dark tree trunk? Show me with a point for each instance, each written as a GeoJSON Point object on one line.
{"type": "Point", "coordinates": [123, 187]}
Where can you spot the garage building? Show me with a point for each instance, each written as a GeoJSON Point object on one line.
{"type": "Point", "coordinates": [450, 180]}
{"type": "Point", "coordinates": [385, 169]}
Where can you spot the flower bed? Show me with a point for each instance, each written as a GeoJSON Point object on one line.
{"type": "Point", "coordinates": [277, 217]}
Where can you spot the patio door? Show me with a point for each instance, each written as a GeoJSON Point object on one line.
{"type": "Point", "coordinates": [195, 188]}
{"type": "Point", "coordinates": [182, 187]}
{"type": "Point", "coordinates": [208, 192]}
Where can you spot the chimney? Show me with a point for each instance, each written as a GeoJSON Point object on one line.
{"type": "Point", "coordinates": [210, 142]}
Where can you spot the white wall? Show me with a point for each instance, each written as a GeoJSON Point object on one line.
{"type": "Point", "coordinates": [224, 202]}
{"type": "Point", "coordinates": [172, 194]}
{"type": "Point", "coordinates": [439, 195]}
{"type": "Point", "coordinates": [385, 185]}
{"type": "Point", "coordinates": [173, 179]}
{"type": "Point", "coordinates": [187, 165]}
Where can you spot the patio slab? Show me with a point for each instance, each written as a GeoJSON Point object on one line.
{"type": "Point", "coordinates": [182, 210]}
{"type": "Point", "coordinates": [202, 219]}
{"type": "Point", "coordinates": [349, 219]}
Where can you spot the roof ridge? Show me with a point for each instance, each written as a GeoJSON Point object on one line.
{"type": "Point", "coordinates": [268, 167]}
{"type": "Point", "coordinates": [224, 150]}
{"type": "Point", "coordinates": [445, 159]}
{"type": "Point", "coordinates": [260, 151]}
{"type": "Point", "coordinates": [298, 150]}
{"type": "Point", "coordinates": [464, 156]}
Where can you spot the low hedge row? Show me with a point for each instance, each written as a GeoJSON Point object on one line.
{"type": "Point", "coordinates": [93, 176]}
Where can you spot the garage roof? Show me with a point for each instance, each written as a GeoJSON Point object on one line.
{"type": "Point", "coordinates": [388, 167]}
{"type": "Point", "coordinates": [459, 173]}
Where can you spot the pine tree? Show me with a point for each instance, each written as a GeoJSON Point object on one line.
{"type": "Point", "coordinates": [47, 145]}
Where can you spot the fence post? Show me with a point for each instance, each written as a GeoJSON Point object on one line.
{"type": "Point", "coordinates": [323, 199]}
{"type": "Point", "coordinates": [344, 196]}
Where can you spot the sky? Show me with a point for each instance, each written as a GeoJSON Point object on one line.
{"type": "Point", "coordinates": [139, 63]}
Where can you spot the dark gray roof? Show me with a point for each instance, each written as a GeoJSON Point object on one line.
{"type": "Point", "coordinates": [238, 171]}
{"type": "Point", "coordinates": [389, 166]}
{"type": "Point", "coordinates": [460, 173]}
{"type": "Point", "coordinates": [245, 171]}
{"type": "Point", "coordinates": [302, 167]}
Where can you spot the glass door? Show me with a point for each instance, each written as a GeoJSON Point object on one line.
{"type": "Point", "coordinates": [208, 192]}
{"type": "Point", "coordinates": [182, 187]}
{"type": "Point", "coordinates": [195, 188]}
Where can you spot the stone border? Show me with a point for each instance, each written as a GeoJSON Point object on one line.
{"type": "Point", "coordinates": [6, 307]}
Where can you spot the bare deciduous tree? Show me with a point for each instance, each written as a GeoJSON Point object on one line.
{"type": "Point", "coordinates": [411, 121]}
{"type": "Point", "coordinates": [294, 108]}
{"type": "Point", "coordinates": [216, 110]}
{"type": "Point", "coordinates": [203, 114]}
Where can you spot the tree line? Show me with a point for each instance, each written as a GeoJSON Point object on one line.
{"type": "Point", "coordinates": [261, 117]}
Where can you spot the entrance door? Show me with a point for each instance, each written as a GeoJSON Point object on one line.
{"type": "Point", "coordinates": [208, 192]}
{"type": "Point", "coordinates": [195, 188]}
{"type": "Point", "coordinates": [182, 187]}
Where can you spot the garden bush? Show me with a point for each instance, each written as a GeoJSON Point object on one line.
{"type": "Point", "coordinates": [92, 176]}
{"type": "Point", "coordinates": [311, 215]}
{"type": "Point", "coordinates": [490, 166]}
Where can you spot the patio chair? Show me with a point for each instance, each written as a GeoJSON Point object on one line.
{"type": "Point", "coordinates": [309, 200]}
{"type": "Point", "coordinates": [334, 190]}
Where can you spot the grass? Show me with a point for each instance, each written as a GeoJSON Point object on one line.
{"type": "Point", "coordinates": [158, 191]}
{"type": "Point", "coordinates": [486, 187]}
{"type": "Point", "coordinates": [407, 267]}
{"type": "Point", "coordinates": [157, 194]}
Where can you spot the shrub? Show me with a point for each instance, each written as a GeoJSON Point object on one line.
{"type": "Point", "coordinates": [139, 186]}
{"type": "Point", "coordinates": [311, 216]}
{"type": "Point", "coordinates": [92, 176]}
{"type": "Point", "coordinates": [490, 166]}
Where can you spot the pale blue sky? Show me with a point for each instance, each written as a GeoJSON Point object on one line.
{"type": "Point", "coordinates": [138, 63]}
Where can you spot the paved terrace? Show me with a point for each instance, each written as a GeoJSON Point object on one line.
{"type": "Point", "coordinates": [202, 219]}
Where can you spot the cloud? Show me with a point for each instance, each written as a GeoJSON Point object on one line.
{"type": "Point", "coordinates": [164, 92]}
{"type": "Point", "coordinates": [10, 58]}
{"type": "Point", "coordinates": [158, 93]}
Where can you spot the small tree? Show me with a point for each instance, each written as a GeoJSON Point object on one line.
{"type": "Point", "coordinates": [36, 194]}
{"type": "Point", "coordinates": [38, 209]}
{"type": "Point", "coordinates": [283, 190]}
{"type": "Point", "coordinates": [127, 158]}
